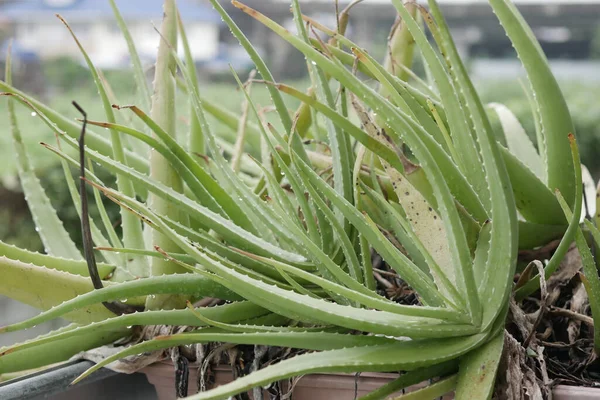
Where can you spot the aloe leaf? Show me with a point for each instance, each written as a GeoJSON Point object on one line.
{"type": "Point", "coordinates": [400, 96]}
{"type": "Point", "coordinates": [296, 306]}
{"type": "Point", "coordinates": [535, 235]}
{"type": "Point", "coordinates": [342, 156]}
{"type": "Point", "coordinates": [225, 313]}
{"type": "Point", "coordinates": [425, 223]}
{"type": "Point", "coordinates": [239, 212]}
{"type": "Point", "coordinates": [60, 350]}
{"type": "Point", "coordinates": [539, 134]}
{"type": "Point", "coordinates": [97, 234]}
{"type": "Point", "coordinates": [398, 356]}
{"type": "Point", "coordinates": [231, 120]}
{"type": "Point", "coordinates": [76, 267]}
{"type": "Point", "coordinates": [363, 244]}
{"type": "Point", "coordinates": [196, 136]}
{"type": "Point", "coordinates": [276, 191]}
{"type": "Point", "coordinates": [554, 114]}
{"type": "Point", "coordinates": [534, 200]}
{"type": "Point", "coordinates": [459, 186]}
{"type": "Point", "coordinates": [457, 240]}
{"type": "Point", "coordinates": [421, 282]}
{"type": "Point", "coordinates": [477, 370]}
{"type": "Point", "coordinates": [379, 303]}
{"type": "Point", "coordinates": [139, 74]}
{"type": "Point", "coordinates": [590, 278]}
{"type": "Point", "coordinates": [570, 233]}
{"type": "Point", "coordinates": [293, 180]}
{"type": "Point", "coordinates": [195, 185]}
{"type": "Point", "coordinates": [503, 248]}
{"type": "Point", "coordinates": [302, 340]}
{"type": "Point", "coordinates": [163, 113]}
{"type": "Point", "coordinates": [340, 234]}
{"type": "Point", "coordinates": [25, 282]}
{"type": "Point", "coordinates": [243, 326]}
{"type": "Point", "coordinates": [263, 221]}
{"type": "Point", "coordinates": [401, 47]}
{"type": "Point", "coordinates": [50, 228]}
{"type": "Point", "coordinates": [224, 227]}
{"type": "Point", "coordinates": [392, 115]}
{"type": "Point", "coordinates": [433, 391]}
{"type": "Point", "coordinates": [469, 161]}
{"type": "Point", "coordinates": [132, 229]}
{"type": "Point", "coordinates": [261, 67]}
{"type": "Point", "coordinates": [191, 285]}
{"type": "Point", "coordinates": [72, 128]}
{"type": "Point", "coordinates": [108, 226]}
{"type": "Point", "coordinates": [207, 242]}
{"type": "Point", "coordinates": [348, 127]}
{"type": "Point", "coordinates": [411, 378]}
{"type": "Point", "coordinates": [518, 142]}
{"type": "Point", "coordinates": [215, 191]}
{"type": "Point", "coordinates": [418, 249]}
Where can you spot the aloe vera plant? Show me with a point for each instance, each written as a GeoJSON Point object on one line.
{"type": "Point", "coordinates": [288, 246]}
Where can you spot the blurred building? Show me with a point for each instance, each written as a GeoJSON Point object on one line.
{"type": "Point", "coordinates": [37, 32]}
{"type": "Point", "coordinates": [565, 28]}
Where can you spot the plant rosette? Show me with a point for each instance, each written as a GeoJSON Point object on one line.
{"type": "Point", "coordinates": [283, 247]}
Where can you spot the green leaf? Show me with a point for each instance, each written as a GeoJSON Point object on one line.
{"type": "Point", "coordinates": [379, 303]}
{"type": "Point", "coordinates": [72, 128]}
{"type": "Point", "coordinates": [27, 282]}
{"type": "Point", "coordinates": [420, 281]}
{"type": "Point", "coordinates": [518, 142]}
{"type": "Point", "coordinates": [411, 378]}
{"type": "Point", "coordinates": [477, 370]}
{"type": "Point", "coordinates": [191, 285]}
{"type": "Point", "coordinates": [554, 114]}
{"type": "Point", "coordinates": [297, 306]}
{"type": "Point", "coordinates": [50, 228]}
{"type": "Point", "coordinates": [60, 350]}
{"type": "Point", "coordinates": [433, 391]}
{"type": "Point", "coordinates": [196, 135]}
{"type": "Point", "coordinates": [138, 70]}
{"type": "Point", "coordinates": [302, 340]}
{"type": "Point", "coordinates": [226, 313]}
{"type": "Point", "coordinates": [398, 356]}
{"type": "Point", "coordinates": [570, 233]}
{"type": "Point", "coordinates": [469, 162]}
{"type": "Point", "coordinates": [161, 171]}
{"type": "Point", "coordinates": [76, 267]}
{"type": "Point", "coordinates": [132, 229]}
{"type": "Point", "coordinates": [234, 234]}
{"type": "Point", "coordinates": [534, 200]}
{"type": "Point", "coordinates": [261, 67]}
{"type": "Point", "coordinates": [590, 278]}
{"type": "Point", "coordinates": [97, 235]}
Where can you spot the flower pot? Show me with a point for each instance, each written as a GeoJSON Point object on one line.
{"type": "Point", "coordinates": [323, 386]}
{"type": "Point", "coordinates": [563, 392]}
{"type": "Point", "coordinates": [309, 387]}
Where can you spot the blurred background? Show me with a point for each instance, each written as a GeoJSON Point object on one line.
{"type": "Point", "coordinates": [48, 64]}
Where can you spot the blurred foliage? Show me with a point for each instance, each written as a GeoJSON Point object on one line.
{"type": "Point", "coordinates": [20, 229]}
{"type": "Point", "coordinates": [595, 44]}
